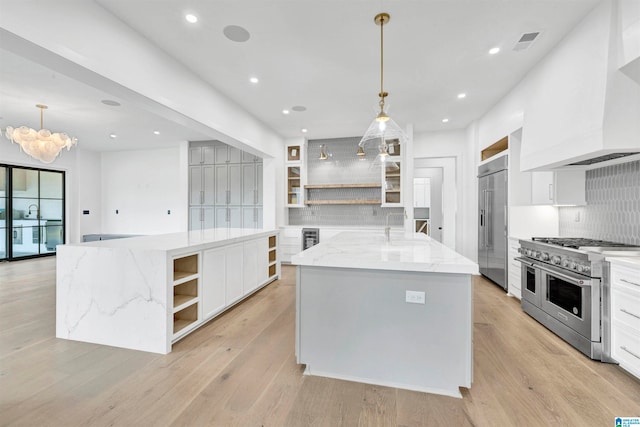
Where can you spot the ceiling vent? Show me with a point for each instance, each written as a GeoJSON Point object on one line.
{"type": "Point", "coordinates": [525, 41]}
{"type": "Point", "coordinates": [600, 159]}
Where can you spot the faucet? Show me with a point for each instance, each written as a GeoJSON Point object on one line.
{"type": "Point", "coordinates": [37, 210]}
{"type": "Point", "coordinates": [387, 228]}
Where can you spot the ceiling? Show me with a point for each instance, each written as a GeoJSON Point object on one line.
{"type": "Point", "coordinates": [323, 55]}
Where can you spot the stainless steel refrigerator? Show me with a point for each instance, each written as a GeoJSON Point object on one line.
{"type": "Point", "coordinates": [492, 220]}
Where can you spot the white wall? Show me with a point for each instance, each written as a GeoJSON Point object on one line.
{"type": "Point", "coordinates": [143, 186]}
{"type": "Point", "coordinates": [89, 170]}
{"type": "Point", "coordinates": [458, 145]}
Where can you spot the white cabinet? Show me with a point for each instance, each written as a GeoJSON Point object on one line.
{"type": "Point", "coordinates": [558, 188]}
{"type": "Point", "coordinates": [625, 314]}
{"type": "Point", "coordinates": [421, 192]}
{"type": "Point", "coordinates": [235, 273]}
{"type": "Point", "coordinates": [295, 176]}
{"type": "Point", "coordinates": [392, 182]}
{"type": "Point", "coordinates": [250, 266]}
{"type": "Point", "coordinates": [214, 280]}
{"type": "Point", "coordinates": [561, 187]}
{"type": "Point", "coordinates": [515, 272]}
{"type": "Point", "coordinates": [252, 195]}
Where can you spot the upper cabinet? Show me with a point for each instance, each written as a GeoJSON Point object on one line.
{"type": "Point", "coordinates": [561, 187]}
{"type": "Point", "coordinates": [580, 106]}
{"type": "Point", "coordinates": [201, 154]}
{"type": "Point", "coordinates": [295, 173]}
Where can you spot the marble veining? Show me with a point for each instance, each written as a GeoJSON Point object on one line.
{"type": "Point", "coordinates": [416, 252]}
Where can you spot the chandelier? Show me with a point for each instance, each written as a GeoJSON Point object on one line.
{"type": "Point", "coordinates": [383, 127]}
{"type": "Point", "coordinates": [42, 144]}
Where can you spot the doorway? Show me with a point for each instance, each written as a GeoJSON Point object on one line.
{"type": "Point", "coordinates": [442, 210]}
{"type": "Point", "coordinates": [31, 212]}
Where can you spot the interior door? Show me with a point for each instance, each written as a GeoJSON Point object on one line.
{"type": "Point", "coordinates": [3, 212]}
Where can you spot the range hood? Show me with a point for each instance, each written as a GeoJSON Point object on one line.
{"type": "Point", "coordinates": [584, 97]}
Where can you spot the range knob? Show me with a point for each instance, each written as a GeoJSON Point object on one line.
{"type": "Point", "coordinates": [584, 269]}
{"type": "Point", "coordinates": [538, 254]}
{"type": "Point", "coordinates": [565, 263]}
{"type": "Point", "coordinates": [528, 252]}
{"type": "Point", "coordinates": [544, 256]}
{"type": "Point", "coordinates": [555, 260]}
{"type": "Point", "coordinates": [573, 265]}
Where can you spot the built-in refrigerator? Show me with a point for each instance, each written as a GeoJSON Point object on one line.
{"type": "Point", "coordinates": [492, 220]}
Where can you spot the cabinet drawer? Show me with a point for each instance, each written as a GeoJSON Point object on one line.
{"type": "Point", "coordinates": [626, 278]}
{"type": "Point", "coordinates": [625, 348]}
{"type": "Point", "coordinates": [625, 308]}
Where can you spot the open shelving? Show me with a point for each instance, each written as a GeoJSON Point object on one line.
{"type": "Point", "coordinates": [186, 295]}
{"type": "Point", "coordinates": [392, 194]}
{"type": "Point", "coordinates": [273, 256]}
{"type": "Point", "coordinates": [359, 201]}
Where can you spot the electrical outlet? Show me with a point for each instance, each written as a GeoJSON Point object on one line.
{"type": "Point", "coordinates": [415, 297]}
{"type": "Point", "coordinates": [577, 217]}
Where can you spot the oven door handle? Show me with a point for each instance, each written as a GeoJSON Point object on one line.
{"type": "Point", "coordinates": [525, 261]}
{"type": "Point", "coordinates": [576, 281]}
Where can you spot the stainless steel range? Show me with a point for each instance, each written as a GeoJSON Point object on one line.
{"type": "Point", "coordinates": [565, 287]}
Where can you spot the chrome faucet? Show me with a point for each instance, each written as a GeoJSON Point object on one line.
{"type": "Point", "coordinates": [37, 210]}
{"type": "Point", "coordinates": [387, 228]}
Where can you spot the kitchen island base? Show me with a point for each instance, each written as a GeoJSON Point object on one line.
{"type": "Point", "coordinates": [356, 324]}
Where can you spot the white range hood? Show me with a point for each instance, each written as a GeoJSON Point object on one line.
{"type": "Point", "coordinates": [584, 105]}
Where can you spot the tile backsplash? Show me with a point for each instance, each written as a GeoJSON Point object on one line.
{"type": "Point", "coordinates": [343, 167]}
{"type": "Point", "coordinates": [613, 206]}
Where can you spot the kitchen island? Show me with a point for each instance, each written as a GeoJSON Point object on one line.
{"type": "Point", "coordinates": [147, 292]}
{"type": "Point", "coordinates": [396, 313]}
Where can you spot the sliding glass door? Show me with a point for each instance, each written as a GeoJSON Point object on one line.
{"type": "Point", "coordinates": [34, 212]}
{"type": "Point", "coordinates": [4, 234]}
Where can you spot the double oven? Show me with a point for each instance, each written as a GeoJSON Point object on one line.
{"type": "Point", "coordinates": [565, 302]}
{"type": "Point", "coordinates": [565, 287]}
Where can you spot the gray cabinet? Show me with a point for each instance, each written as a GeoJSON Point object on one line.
{"type": "Point", "coordinates": [201, 155]}
{"type": "Point", "coordinates": [228, 184]}
{"type": "Point", "coordinates": [228, 191]}
{"type": "Point", "coordinates": [226, 154]}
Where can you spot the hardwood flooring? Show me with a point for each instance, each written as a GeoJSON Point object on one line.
{"type": "Point", "coordinates": [240, 370]}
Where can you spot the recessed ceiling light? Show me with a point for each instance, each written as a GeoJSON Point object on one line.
{"type": "Point", "coordinates": [113, 136]}
{"type": "Point", "coordinates": [445, 120]}
{"type": "Point", "coordinates": [110, 102]}
{"type": "Point", "coordinates": [494, 50]}
{"type": "Point", "coordinates": [285, 111]}
{"type": "Point", "coordinates": [156, 132]}
{"type": "Point", "coordinates": [299, 108]}
{"type": "Point", "coordinates": [254, 80]}
{"type": "Point", "coordinates": [191, 18]}
{"type": "Point", "coordinates": [236, 33]}
{"type": "Point", "coordinates": [462, 95]}
{"type": "Point", "coordinates": [303, 130]}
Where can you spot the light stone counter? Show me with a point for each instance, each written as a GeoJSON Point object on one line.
{"type": "Point", "coordinates": [146, 292]}
{"type": "Point", "coordinates": [396, 314]}
{"type": "Point", "coordinates": [370, 250]}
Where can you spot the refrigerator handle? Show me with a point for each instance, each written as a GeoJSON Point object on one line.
{"type": "Point", "coordinates": [488, 218]}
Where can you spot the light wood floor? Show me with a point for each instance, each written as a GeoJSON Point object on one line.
{"type": "Point", "coordinates": [240, 370]}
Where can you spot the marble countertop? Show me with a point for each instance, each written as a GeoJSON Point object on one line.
{"type": "Point", "coordinates": [631, 261]}
{"type": "Point", "coordinates": [191, 240]}
{"type": "Point", "coordinates": [416, 252]}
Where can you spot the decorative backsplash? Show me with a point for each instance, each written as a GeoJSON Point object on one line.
{"type": "Point", "coordinates": [343, 167]}
{"type": "Point", "coordinates": [613, 206]}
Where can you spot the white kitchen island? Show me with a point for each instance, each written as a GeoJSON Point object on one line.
{"type": "Point", "coordinates": [147, 292]}
{"type": "Point", "coordinates": [396, 313]}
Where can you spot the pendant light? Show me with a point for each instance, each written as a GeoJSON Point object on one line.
{"type": "Point", "coordinates": [383, 126]}
{"type": "Point", "coordinates": [40, 144]}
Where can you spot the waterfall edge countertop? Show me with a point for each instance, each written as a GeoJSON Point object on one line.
{"type": "Point", "coordinates": [186, 240]}
{"type": "Point", "coordinates": [365, 250]}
